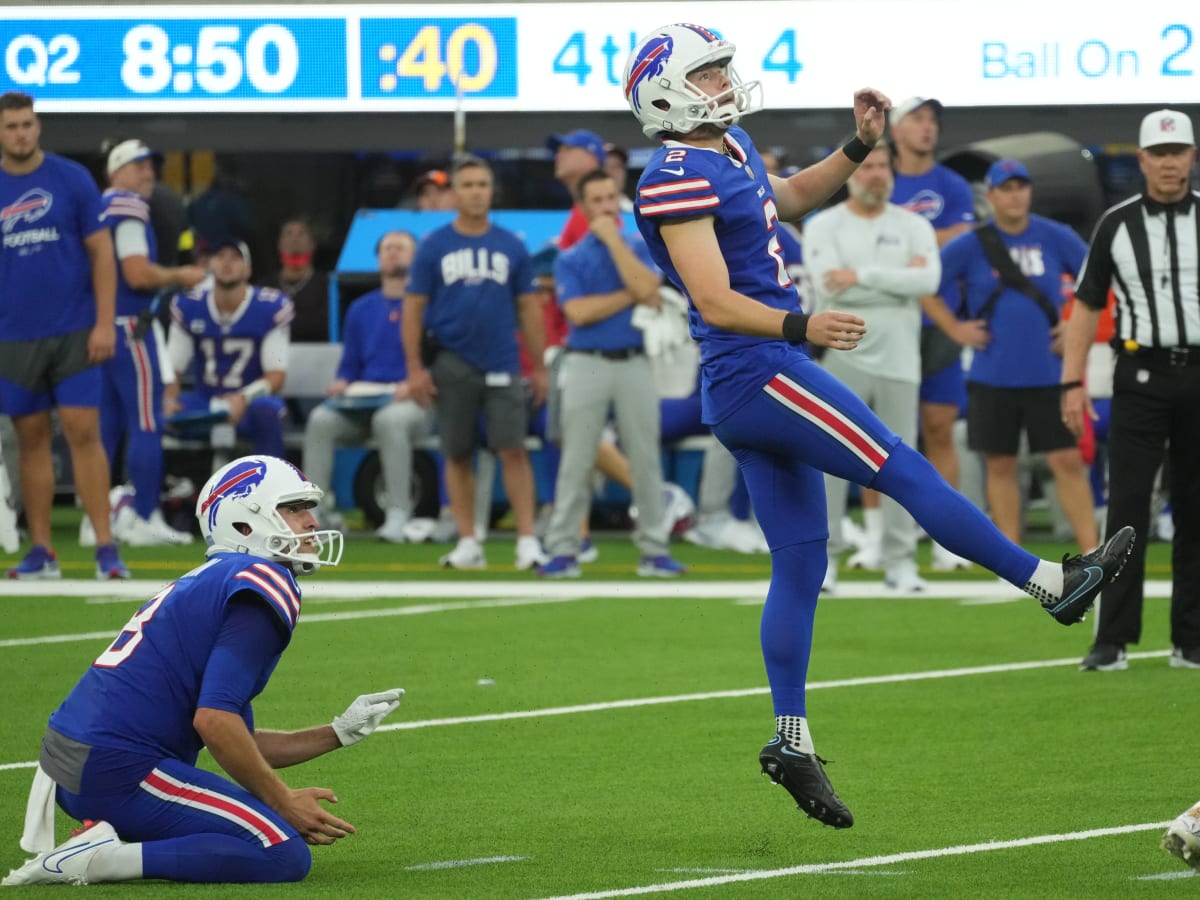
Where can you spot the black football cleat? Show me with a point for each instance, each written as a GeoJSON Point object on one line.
{"type": "Point", "coordinates": [1085, 576]}
{"type": "Point", "coordinates": [803, 774]}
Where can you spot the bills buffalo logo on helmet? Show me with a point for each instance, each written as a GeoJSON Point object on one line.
{"type": "Point", "coordinates": [28, 208]}
{"type": "Point", "coordinates": [238, 482]}
{"type": "Point", "coordinates": [649, 64]}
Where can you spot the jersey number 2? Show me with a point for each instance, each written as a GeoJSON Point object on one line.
{"type": "Point", "coordinates": [131, 635]}
{"type": "Point", "coordinates": [771, 214]}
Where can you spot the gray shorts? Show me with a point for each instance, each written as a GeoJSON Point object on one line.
{"type": "Point", "coordinates": [463, 395]}
{"type": "Point", "coordinates": [41, 364]}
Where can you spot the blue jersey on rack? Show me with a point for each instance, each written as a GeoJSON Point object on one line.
{"type": "Point", "coordinates": [126, 206]}
{"type": "Point", "coordinates": [142, 693]}
{"type": "Point", "coordinates": [229, 350]}
{"type": "Point", "coordinates": [682, 182]}
{"type": "Point", "coordinates": [45, 272]}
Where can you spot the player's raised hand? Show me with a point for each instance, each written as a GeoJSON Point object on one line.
{"type": "Point", "coordinates": [364, 715]}
{"type": "Point", "coordinates": [870, 114]}
{"type": "Point", "coordinates": [315, 823]}
{"type": "Point", "coordinates": [836, 330]}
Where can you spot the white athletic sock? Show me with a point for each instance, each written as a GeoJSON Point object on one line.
{"type": "Point", "coordinates": [1046, 583]}
{"type": "Point", "coordinates": [121, 862]}
{"type": "Point", "coordinates": [873, 525]}
{"type": "Point", "coordinates": [795, 731]}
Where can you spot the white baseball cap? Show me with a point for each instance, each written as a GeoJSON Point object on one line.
{"type": "Point", "coordinates": [127, 152]}
{"type": "Point", "coordinates": [911, 105]}
{"type": "Point", "coordinates": [1166, 126]}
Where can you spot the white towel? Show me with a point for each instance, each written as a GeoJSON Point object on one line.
{"type": "Point", "coordinates": [38, 836]}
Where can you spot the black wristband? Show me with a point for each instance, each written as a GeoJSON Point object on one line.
{"type": "Point", "coordinates": [795, 327]}
{"type": "Point", "coordinates": [856, 151]}
{"type": "Point", "coordinates": [1070, 386]}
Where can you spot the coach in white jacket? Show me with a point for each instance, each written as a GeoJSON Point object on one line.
{"type": "Point", "coordinates": [876, 259]}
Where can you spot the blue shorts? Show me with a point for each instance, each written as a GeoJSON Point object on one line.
{"type": "Point", "coordinates": [81, 389]}
{"type": "Point", "coordinates": [946, 386]}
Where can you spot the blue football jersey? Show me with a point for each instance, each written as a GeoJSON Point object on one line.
{"type": "Point", "coordinates": [121, 206]}
{"type": "Point", "coordinates": [45, 272]}
{"type": "Point", "coordinates": [141, 694]}
{"type": "Point", "coordinates": [229, 356]}
{"type": "Point", "coordinates": [681, 181]}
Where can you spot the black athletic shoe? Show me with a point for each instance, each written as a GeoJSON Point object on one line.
{"type": "Point", "coordinates": [804, 777]}
{"type": "Point", "coordinates": [1084, 577]}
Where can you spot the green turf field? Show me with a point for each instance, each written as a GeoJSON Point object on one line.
{"type": "Point", "coordinates": [598, 738]}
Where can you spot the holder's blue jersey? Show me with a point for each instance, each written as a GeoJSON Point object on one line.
{"type": "Point", "coordinates": [229, 357]}
{"type": "Point", "coordinates": [681, 181]}
{"type": "Point", "coordinates": [121, 206]}
{"type": "Point", "coordinates": [142, 693]}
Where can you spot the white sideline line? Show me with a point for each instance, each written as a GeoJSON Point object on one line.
{"type": "Point", "coordinates": [463, 863]}
{"type": "Point", "coordinates": [865, 862]}
{"type": "Point", "coordinates": [636, 702]}
{"type": "Point", "coordinates": [333, 591]}
{"type": "Point", "coordinates": [482, 595]}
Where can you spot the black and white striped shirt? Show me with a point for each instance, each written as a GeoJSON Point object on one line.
{"type": "Point", "coordinates": [1149, 253]}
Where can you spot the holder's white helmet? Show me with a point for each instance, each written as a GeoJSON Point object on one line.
{"type": "Point", "coordinates": [657, 89]}
{"type": "Point", "coordinates": [238, 512]}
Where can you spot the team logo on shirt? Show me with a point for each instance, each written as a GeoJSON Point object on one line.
{"type": "Point", "coordinates": [28, 208]}
{"type": "Point", "coordinates": [239, 481]}
{"type": "Point", "coordinates": [926, 203]}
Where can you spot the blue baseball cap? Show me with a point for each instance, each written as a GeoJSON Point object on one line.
{"type": "Point", "coordinates": [581, 138]}
{"type": "Point", "coordinates": [1003, 170]}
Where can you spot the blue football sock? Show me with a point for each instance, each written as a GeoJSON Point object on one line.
{"type": "Point", "coordinates": [787, 622]}
{"type": "Point", "coordinates": [950, 518]}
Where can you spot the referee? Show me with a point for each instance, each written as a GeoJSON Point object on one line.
{"type": "Point", "coordinates": [1147, 249]}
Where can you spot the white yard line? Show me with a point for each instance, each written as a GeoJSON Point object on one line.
{"type": "Point", "coordinates": [865, 862]}
{"type": "Point", "coordinates": [637, 702]}
{"type": "Point", "coordinates": [463, 863]}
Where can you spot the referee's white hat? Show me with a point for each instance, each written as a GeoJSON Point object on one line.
{"type": "Point", "coordinates": [1166, 126]}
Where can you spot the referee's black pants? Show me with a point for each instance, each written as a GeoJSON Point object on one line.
{"type": "Point", "coordinates": [1154, 404]}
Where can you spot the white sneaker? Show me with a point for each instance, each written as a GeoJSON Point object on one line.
{"type": "Point", "coordinates": [87, 532]}
{"type": "Point", "coordinates": [153, 532]}
{"type": "Point", "coordinates": [68, 862]}
{"type": "Point", "coordinates": [853, 534]}
{"type": "Point", "coordinates": [679, 510]}
{"type": "Point", "coordinates": [10, 539]}
{"type": "Point", "coordinates": [467, 554]}
{"type": "Point", "coordinates": [870, 556]}
{"type": "Point", "coordinates": [393, 530]}
{"type": "Point", "coordinates": [944, 561]}
{"type": "Point", "coordinates": [1182, 839]}
{"type": "Point", "coordinates": [121, 513]}
{"type": "Point", "coordinates": [171, 535]}
{"type": "Point", "coordinates": [903, 578]}
{"type": "Point", "coordinates": [530, 553]}
{"type": "Point", "coordinates": [829, 582]}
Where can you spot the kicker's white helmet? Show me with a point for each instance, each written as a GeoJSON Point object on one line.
{"type": "Point", "coordinates": [657, 89]}
{"type": "Point", "coordinates": [238, 512]}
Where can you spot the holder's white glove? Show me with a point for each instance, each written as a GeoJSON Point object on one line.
{"type": "Point", "coordinates": [364, 715]}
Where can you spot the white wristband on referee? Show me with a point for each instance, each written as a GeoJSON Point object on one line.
{"type": "Point", "coordinates": [256, 389]}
